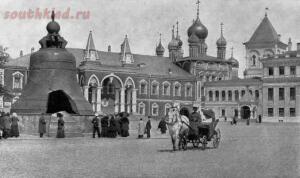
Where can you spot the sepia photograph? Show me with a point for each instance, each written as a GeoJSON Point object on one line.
{"type": "Point", "coordinates": [150, 89]}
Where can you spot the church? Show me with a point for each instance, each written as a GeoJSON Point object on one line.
{"type": "Point", "coordinates": [145, 85]}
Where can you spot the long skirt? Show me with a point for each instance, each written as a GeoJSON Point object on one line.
{"type": "Point", "coordinates": [60, 133]}
{"type": "Point", "coordinates": [124, 133]}
{"type": "Point", "coordinates": [14, 131]}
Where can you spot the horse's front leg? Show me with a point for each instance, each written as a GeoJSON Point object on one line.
{"type": "Point", "coordinates": [174, 143]}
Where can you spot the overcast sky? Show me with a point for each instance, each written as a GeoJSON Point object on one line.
{"type": "Point", "coordinates": [143, 20]}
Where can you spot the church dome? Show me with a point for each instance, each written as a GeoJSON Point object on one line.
{"type": "Point", "coordinates": [53, 27]}
{"type": "Point", "coordinates": [179, 42]}
{"type": "Point", "coordinates": [160, 48]}
{"type": "Point", "coordinates": [221, 41]}
{"type": "Point", "coordinates": [173, 43]}
{"type": "Point", "coordinates": [198, 29]}
{"type": "Point", "coordinates": [235, 62]}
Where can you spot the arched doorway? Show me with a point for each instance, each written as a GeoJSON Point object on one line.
{"type": "Point", "coordinates": [130, 96]}
{"type": "Point", "coordinates": [92, 92]}
{"type": "Point", "coordinates": [245, 112]}
{"type": "Point", "coordinates": [111, 95]}
{"type": "Point", "coordinates": [60, 101]}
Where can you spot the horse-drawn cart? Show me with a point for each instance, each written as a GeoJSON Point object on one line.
{"type": "Point", "coordinates": [202, 133]}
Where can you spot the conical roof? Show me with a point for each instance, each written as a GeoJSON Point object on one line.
{"type": "Point", "coordinates": [90, 42]}
{"type": "Point", "coordinates": [125, 48]}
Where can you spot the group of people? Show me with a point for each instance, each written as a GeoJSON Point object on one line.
{"type": "Point", "coordinates": [111, 125]}
{"type": "Point", "coordinates": [9, 126]}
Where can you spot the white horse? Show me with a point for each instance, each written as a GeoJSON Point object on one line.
{"type": "Point", "coordinates": [178, 126]}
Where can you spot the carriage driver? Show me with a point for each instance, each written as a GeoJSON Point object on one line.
{"type": "Point", "coordinates": [195, 116]}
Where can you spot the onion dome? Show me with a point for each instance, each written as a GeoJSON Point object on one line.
{"type": "Point", "coordinates": [174, 42]}
{"type": "Point", "coordinates": [198, 29]}
{"type": "Point", "coordinates": [221, 41]}
{"type": "Point", "coordinates": [160, 49]}
{"type": "Point", "coordinates": [193, 39]}
{"type": "Point", "coordinates": [235, 62]}
{"type": "Point", "coordinates": [53, 26]}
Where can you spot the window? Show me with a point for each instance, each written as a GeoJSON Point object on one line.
{"type": "Point", "coordinates": [281, 112]}
{"type": "Point", "coordinates": [2, 77]}
{"type": "Point", "coordinates": [167, 107]}
{"type": "Point", "coordinates": [17, 80]}
{"type": "Point", "coordinates": [270, 94]}
{"type": "Point", "coordinates": [143, 87]}
{"type": "Point", "coordinates": [166, 88]}
{"type": "Point", "coordinates": [229, 95]}
{"type": "Point", "coordinates": [292, 93]}
{"type": "Point", "coordinates": [154, 109]}
{"type": "Point", "coordinates": [223, 96]}
{"type": "Point", "coordinates": [217, 95]}
{"type": "Point", "coordinates": [270, 112]}
{"type": "Point", "coordinates": [188, 90]}
{"type": "Point", "coordinates": [271, 71]}
{"type": "Point", "coordinates": [236, 95]}
{"type": "Point", "coordinates": [177, 89]}
{"type": "Point", "coordinates": [292, 70]}
{"type": "Point", "coordinates": [243, 93]}
{"type": "Point", "coordinates": [253, 60]}
{"type": "Point", "coordinates": [141, 108]}
{"type": "Point", "coordinates": [281, 93]}
{"type": "Point", "coordinates": [292, 112]}
{"type": "Point", "coordinates": [281, 70]}
{"type": "Point", "coordinates": [223, 112]}
{"type": "Point", "coordinates": [154, 88]}
{"type": "Point", "coordinates": [256, 94]}
{"type": "Point", "coordinates": [210, 95]}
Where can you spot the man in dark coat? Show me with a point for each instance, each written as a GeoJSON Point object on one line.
{"type": "Point", "coordinates": [118, 124]}
{"type": "Point", "coordinates": [195, 119]}
{"type": "Point", "coordinates": [162, 126]}
{"type": "Point", "coordinates": [104, 126]}
{"type": "Point", "coordinates": [60, 126]}
{"type": "Point", "coordinates": [6, 126]}
{"type": "Point", "coordinates": [95, 123]}
{"type": "Point", "coordinates": [148, 127]}
{"type": "Point", "coordinates": [42, 125]}
{"type": "Point", "coordinates": [124, 125]}
{"type": "Point", "coordinates": [112, 130]}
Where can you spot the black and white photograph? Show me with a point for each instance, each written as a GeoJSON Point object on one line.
{"type": "Point", "coordinates": [150, 89]}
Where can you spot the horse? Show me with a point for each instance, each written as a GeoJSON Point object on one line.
{"type": "Point", "coordinates": [178, 126]}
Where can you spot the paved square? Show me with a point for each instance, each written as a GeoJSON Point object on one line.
{"type": "Point", "coordinates": [266, 150]}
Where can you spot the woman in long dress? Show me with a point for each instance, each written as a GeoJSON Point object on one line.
{"type": "Point", "coordinates": [14, 130]}
{"type": "Point", "coordinates": [60, 126]}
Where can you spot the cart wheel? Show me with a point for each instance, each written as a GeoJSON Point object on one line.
{"type": "Point", "coordinates": [204, 142]}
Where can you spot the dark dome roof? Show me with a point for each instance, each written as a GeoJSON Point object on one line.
{"type": "Point", "coordinates": [199, 29]}
{"type": "Point", "coordinates": [53, 27]}
{"type": "Point", "coordinates": [193, 39]}
{"type": "Point", "coordinates": [160, 48]}
{"type": "Point", "coordinates": [221, 41]}
{"type": "Point", "coordinates": [173, 43]}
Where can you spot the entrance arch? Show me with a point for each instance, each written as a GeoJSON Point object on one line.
{"type": "Point", "coordinates": [93, 84]}
{"type": "Point", "coordinates": [59, 101]}
{"type": "Point", "coordinates": [245, 112]}
{"type": "Point", "coordinates": [130, 96]}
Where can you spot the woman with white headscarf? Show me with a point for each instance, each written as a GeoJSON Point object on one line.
{"type": "Point", "coordinates": [14, 130]}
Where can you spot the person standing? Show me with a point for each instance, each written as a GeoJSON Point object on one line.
{"type": "Point", "coordinates": [141, 128]}
{"type": "Point", "coordinates": [112, 130]}
{"type": "Point", "coordinates": [60, 126]}
{"type": "Point", "coordinates": [118, 124]}
{"type": "Point", "coordinates": [95, 123]}
{"type": "Point", "coordinates": [6, 126]}
{"type": "Point", "coordinates": [162, 126]}
{"type": "Point", "coordinates": [259, 118]}
{"type": "Point", "coordinates": [42, 125]}
{"type": "Point", "coordinates": [104, 126]}
{"type": "Point", "coordinates": [124, 125]}
{"type": "Point", "coordinates": [148, 127]}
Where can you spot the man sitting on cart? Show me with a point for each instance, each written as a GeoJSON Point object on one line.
{"type": "Point", "coordinates": [195, 120]}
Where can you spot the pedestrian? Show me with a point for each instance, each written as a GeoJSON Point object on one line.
{"type": "Point", "coordinates": [42, 125]}
{"type": "Point", "coordinates": [112, 130]}
{"type": "Point", "coordinates": [248, 121]}
{"type": "Point", "coordinates": [14, 128]}
{"type": "Point", "coordinates": [95, 123]}
{"type": "Point", "coordinates": [118, 124]}
{"type": "Point", "coordinates": [259, 118]}
{"type": "Point", "coordinates": [141, 128]}
{"type": "Point", "coordinates": [104, 126]}
{"type": "Point", "coordinates": [60, 126]}
{"type": "Point", "coordinates": [162, 125]}
{"type": "Point", "coordinates": [148, 127]}
{"type": "Point", "coordinates": [6, 126]}
{"type": "Point", "coordinates": [124, 125]}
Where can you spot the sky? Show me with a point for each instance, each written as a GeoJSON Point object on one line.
{"type": "Point", "coordinates": [143, 20]}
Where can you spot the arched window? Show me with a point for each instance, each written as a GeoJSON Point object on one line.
{"type": "Point", "coordinates": [188, 90]}
{"type": "Point", "coordinates": [167, 107]}
{"type": "Point", "coordinates": [154, 109]}
{"type": "Point", "coordinates": [143, 87]}
{"type": "Point", "coordinates": [217, 95]}
{"type": "Point", "coordinates": [229, 95]}
{"type": "Point", "coordinates": [177, 89]}
{"type": "Point", "coordinates": [141, 108]}
{"type": "Point", "coordinates": [17, 80]}
{"type": "Point", "coordinates": [236, 95]}
{"type": "Point", "coordinates": [154, 88]}
{"type": "Point", "coordinates": [253, 60]}
{"type": "Point", "coordinates": [256, 94]}
{"type": "Point", "coordinates": [210, 95]}
{"type": "Point", "coordinates": [166, 88]}
{"type": "Point", "coordinates": [223, 95]}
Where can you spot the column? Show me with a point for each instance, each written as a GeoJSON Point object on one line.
{"type": "Point", "coordinates": [134, 100]}
{"type": "Point", "coordinates": [128, 103]}
{"type": "Point", "coordinates": [98, 107]}
{"type": "Point", "coordinates": [239, 112]}
{"type": "Point", "coordinates": [86, 92]}
{"type": "Point", "coordinates": [117, 100]}
{"type": "Point", "coordinates": [214, 95]}
{"type": "Point", "coordinates": [251, 112]}
{"type": "Point", "coordinates": [122, 100]}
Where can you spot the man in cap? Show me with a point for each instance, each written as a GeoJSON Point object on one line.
{"type": "Point", "coordinates": [95, 123]}
{"type": "Point", "coordinates": [195, 119]}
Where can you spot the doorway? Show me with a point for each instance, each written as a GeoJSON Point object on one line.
{"type": "Point", "coordinates": [245, 112]}
{"type": "Point", "coordinates": [60, 101]}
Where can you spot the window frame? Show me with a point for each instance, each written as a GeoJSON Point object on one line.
{"type": "Point", "coordinates": [270, 112]}
{"type": "Point", "coordinates": [281, 70]}
{"type": "Point", "coordinates": [154, 106]}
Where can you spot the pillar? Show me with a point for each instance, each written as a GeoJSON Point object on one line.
{"type": "Point", "coordinates": [239, 112]}
{"type": "Point", "coordinates": [86, 92]}
{"type": "Point", "coordinates": [214, 95]}
{"type": "Point", "coordinates": [128, 100]}
{"type": "Point", "coordinates": [98, 107]}
{"type": "Point", "coordinates": [122, 109]}
{"type": "Point", "coordinates": [251, 112]}
{"type": "Point", "coordinates": [134, 100]}
{"type": "Point", "coordinates": [117, 100]}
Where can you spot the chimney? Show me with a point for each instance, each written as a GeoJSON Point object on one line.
{"type": "Point", "coordinates": [21, 53]}
{"type": "Point", "coordinates": [109, 48]}
{"type": "Point", "coordinates": [279, 37]}
{"type": "Point", "coordinates": [290, 45]}
{"type": "Point", "coordinates": [32, 50]}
